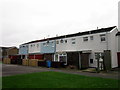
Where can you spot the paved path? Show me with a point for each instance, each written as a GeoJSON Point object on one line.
{"type": "Point", "coordinates": [8, 70]}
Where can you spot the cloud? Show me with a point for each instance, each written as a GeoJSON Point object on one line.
{"type": "Point", "coordinates": [27, 20]}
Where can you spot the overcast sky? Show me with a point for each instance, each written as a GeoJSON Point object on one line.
{"type": "Point", "coordinates": [22, 21]}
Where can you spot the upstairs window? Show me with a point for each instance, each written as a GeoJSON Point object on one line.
{"type": "Point", "coordinates": [44, 44]}
{"type": "Point", "coordinates": [91, 38]}
{"type": "Point", "coordinates": [65, 41]}
{"type": "Point", "coordinates": [37, 45]}
{"type": "Point", "coordinates": [47, 41]}
{"type": "Point", "coordinates": [73, 40]}
{"type": "Point", "coordinates": [57, 42]}
{"type": "Point", "coordinates": [103, 37]}
{"type": "Point", "coordinates": [85, 38]}
{"type": "Point", "coordinates": [61, 41]}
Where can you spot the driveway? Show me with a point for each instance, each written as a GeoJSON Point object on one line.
{"type": "Point", "coordinates": [9, 69]}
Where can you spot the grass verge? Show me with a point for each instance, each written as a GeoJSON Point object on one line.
{"type": "Point", "coordinates": [56, 80]}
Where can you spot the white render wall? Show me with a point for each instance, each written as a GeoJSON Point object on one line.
{"type": "Point", "coordinates": [34, 48]}
{"type": "Point", "coordinates": [112, 40]}
{"type": "Point", "coordinates": [62, 47]}
{"type": "Point", "coordinates": [118, 43]}
{"type": "Point", "coordinates": [95, 45]}
{"type": "Point", "coordinates": [92, 56]}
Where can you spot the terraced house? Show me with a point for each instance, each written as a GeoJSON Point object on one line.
{"type": "Point", "coordinates": [81, 50]}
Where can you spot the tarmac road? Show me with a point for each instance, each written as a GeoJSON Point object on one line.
{"type": "Point", "coordinates": [10, 69]}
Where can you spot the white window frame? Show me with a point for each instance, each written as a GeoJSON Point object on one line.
{"type": "Point", "coordinates": [66, 41]}
{"type": "Point", "coordinates": [85, 39]}
{"type": "Point", "coordinates": [65, 56]}
{"type": "Point", "coordinates": [57, 41]}
{"type": "Point", "coordinates": [103, 37]}
{"type": "Point", "coordinates": [73, 40]}
{"type": "Point", "coordinates": [100, 53]}
{"type": "Point", "coordinates": [44, 44]}
{"type": "Point", "coordinates": [58, 58]}
{"type": "Point", "coordinates": [91, 37]}
{"type": "Point", "coordinates": [61, 41]}
{"type": "Point", "coordinates": [37, 45]}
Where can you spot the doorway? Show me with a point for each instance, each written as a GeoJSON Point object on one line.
{"type": "Point", "coordinates": [84, 60]}
{"type": "Point", "coordinates": [118, 54]}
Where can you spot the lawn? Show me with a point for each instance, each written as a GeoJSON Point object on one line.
{"type": "Point", "coordinates": [56, 80]}
{"type": "Point", "coordinates": [0, 82]}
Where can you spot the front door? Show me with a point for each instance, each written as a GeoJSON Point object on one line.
{"type": "Point", "coordinates": [84, 60]}
{"type": "Point", "coordinates": [73, 59]}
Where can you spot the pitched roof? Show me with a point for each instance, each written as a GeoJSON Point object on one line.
{"type": "Point", "coordinates": [118, 34]}
{"type": "Point", "coordinates": [7, 47]}
{"type": "Point", "coordinates": [76, 34]}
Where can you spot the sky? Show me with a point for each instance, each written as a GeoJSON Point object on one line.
{"type": "Point", "coordinates": [22, 21]}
